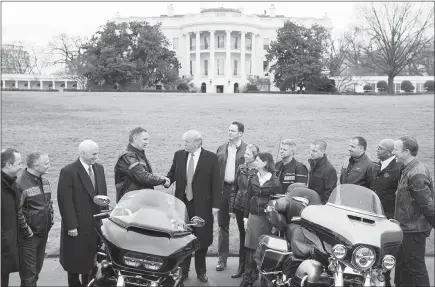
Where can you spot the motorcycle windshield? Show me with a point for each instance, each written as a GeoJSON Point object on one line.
{"type": "Point", "coordinates": [152, 210]}
{"type": "Point", "coordinates": [357, 198]}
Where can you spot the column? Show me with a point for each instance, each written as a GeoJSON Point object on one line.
{"type": "Point", "coordinates": [253, 59]}
{"type": "Point", "coordinates": [66, 84]}
{"type": "Point", "coordinates": [198, 58]}
{"type": "Point", "coordinates": [228, 54]}
{"type": "Point", "coordinates": [211, 69]}
{"type": "Point", "coordinates": [4, 84]}
{"type": "Point", "coordinates": [187, 61]}
{"type": "Point", "coordinates": [54, 85]}
{"type": "Point", "coordinates": [242, 57]}
{"type": "Point", "coordinates": [28, 85]}
{"type": "Point", "coordinates": [41, 85]}
{"type": "Point", "coordinates": [16, 84]}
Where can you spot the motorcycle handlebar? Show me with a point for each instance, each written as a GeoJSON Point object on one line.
{"type": "Point", "coordinates": [102, 215]}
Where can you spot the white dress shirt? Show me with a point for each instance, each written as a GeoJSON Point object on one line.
{"type": "Point", "coordinates": [230, 168]}
{"type": "Point", "coordinates": [386, 162]}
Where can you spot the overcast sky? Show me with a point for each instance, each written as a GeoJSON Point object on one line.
{"type": "Point", "coordinates": [36, 23]}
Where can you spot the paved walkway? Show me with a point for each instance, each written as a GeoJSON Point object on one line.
{"type": "Point", "coordinates": [53, 274]}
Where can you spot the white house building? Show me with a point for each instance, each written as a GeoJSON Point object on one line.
{"type": "Point", "coordinates": [222, 47]}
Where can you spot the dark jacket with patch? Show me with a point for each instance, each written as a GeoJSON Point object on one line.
{"type": "Point", "coordinates": [258, 196]}
{"type": "Point", "coordinates": [414, 198]}
{"type": "Point", "coordinates": [384, 183]}
{"type": "Point", "coordinates": [357, 171]}
{"type": "Point", "coordinates": [243, 175]}
{"type": "Point", "coordinates": [322, 177]}
{"type": "Point", "coordinates": [290, 173]}
{"type": "Point", "coordinates": [35, 200]}
{"type": "Point", "coordinates": [134, 172]}
{"type": "Point", "coordinates": [13, 226]}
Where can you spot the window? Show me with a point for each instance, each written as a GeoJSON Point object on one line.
{"type": "Point", "coordinates": [266, 42]}
{"type": "Point", "coordinates": [397, 87]}
{"type": "Point", "coordinates": [235, 67]}
{"type": "Point", "coordinates": [248, 68]}
{"type": "Point", "coordinates": [419, 87]}
{"type": "Point", "coordinates": [235, 43]}
{"type": "Point", "coordinates": [206, 67]}
{"type": "Point", "coordinates": [220, 42]}
{"type": "Point", "coordinates": [175, 43]}
{"type": "Point", "coordinates": [191, 68]}
{"type": "Point", "coordinates": [265, 67]}
{"type": "Point", "coordinates": [220, 67]}
{"type": "Point", "coordinates": [248, 44]}
{"type": "Point", "coordinates": [192, 44]}
{"type": "Point", "coordinates": [205, 43]}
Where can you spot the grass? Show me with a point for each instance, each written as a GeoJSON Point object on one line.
{"type": "Point", "coordinates": [58, 122]}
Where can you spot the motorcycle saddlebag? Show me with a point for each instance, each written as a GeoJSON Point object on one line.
{"type": "Point", "coordinates": [270, 252]}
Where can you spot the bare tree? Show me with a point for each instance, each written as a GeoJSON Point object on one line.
{"type": "Point", "coordinates": [66, 51]}
{"type": "Point", "coordinates": [21, 58]}
{"type": "Point", "coordinates": [390, 36]}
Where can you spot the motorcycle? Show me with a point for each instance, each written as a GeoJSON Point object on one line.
{"type": "Point", "coordinates": [346, 242]}
{"type": "Point", "coordinates": [143, 240]}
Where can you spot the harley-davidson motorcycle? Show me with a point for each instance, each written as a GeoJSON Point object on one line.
{"type": "Point", "coordinates": [346, 242]}
{"type": "Point", "coordinates": [143, 240]}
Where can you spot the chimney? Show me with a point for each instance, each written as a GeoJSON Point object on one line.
{"type": "Point", "coordinates": [170, 10]}
{"type": "Point", "coordinates": [272, 10]}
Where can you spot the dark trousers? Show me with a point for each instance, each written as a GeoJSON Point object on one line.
{"type": "Point", "coordinates": [5, 280]}
{"type": "Point", "coordinates": [242, 232]}
{"type": "Point", "coordinates": [74, 281]}
{"type": "Point", "coordinates": [224, 224]}
{"type": "Point", "coordinates": [411, 266]}
{"type": "Point", "coordinates": [251, 270]}
{"type": "Point", "coordinates": [32, 254]}
{"type": "Point", "coordinates": [200, 254]}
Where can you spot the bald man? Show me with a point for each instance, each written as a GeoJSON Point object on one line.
{"type": "Point", "coordinates": [196, 173]}
{"type": "Point", "coordinates": [78, 183]}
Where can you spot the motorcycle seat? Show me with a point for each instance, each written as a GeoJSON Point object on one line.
{"type": "Point", "coordinates": [302, 241]}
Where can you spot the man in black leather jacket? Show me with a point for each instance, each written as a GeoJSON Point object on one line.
{"type": "Point", "coordinates": [13, 222]}
{"type": "Point", "coordinates": [133, 170]}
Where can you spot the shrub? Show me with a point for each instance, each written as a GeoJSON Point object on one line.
{"type": "Point", "coordinates": [407, 86]}
{"type": "Point", "coordinates": [367, 87]}
{"type": "Point", "coordinates": [382, 86]}
{"type": "Point", "coordinates": [251, 88]}
{"type": "Point", "coordinates": [429, 85]}
{"type": "Point", "coordinates": [182, 87]}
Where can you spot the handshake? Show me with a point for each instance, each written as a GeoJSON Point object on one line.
{"type": "Point", "coordinates": [167, 182]}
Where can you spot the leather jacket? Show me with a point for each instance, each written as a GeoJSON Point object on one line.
{"type": "Point", "coordinates": [414, 198]}
{"type": "Point", "coordinates": [357, 171]}
{"type": "Point", "coordinates": [134, 172]}
{"type": "Point", "coordinates": [222, 155]}
{"type": "Point", "coordinates": [243, 175]}
{"type": "Point", "coordinates": [259, 196]}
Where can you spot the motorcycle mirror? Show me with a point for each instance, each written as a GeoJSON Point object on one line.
{"type": "Point", "coordinates": [196, 221]}
{"type": "Point", "coordinates": [101, 200]}
{"type": "Point", "coordinates": [302, 200]}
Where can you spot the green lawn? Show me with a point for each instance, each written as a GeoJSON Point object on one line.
{"type": "Point", "coordinates": [58, 122]}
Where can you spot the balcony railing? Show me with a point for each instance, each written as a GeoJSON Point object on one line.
{"type": "Point", "coordinates": [205, 47]}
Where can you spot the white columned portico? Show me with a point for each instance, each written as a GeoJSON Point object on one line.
{"type": "Point", "coordinates": [242, 57]}
{"type": "Point", "coordinates": [28, 85]}
{"type": "Point", "coordinates": [211, 69]}
{"type": "Point", "coordinates": [187, 60]}
{"type": "Point", "coordinates": [198, 58]}
{"type": "Point", "coordinates": [253, 59]}
{"type": "Point", "coordinates": [41, 85]}
{"type": "Point", "coordinates": [228, 56]}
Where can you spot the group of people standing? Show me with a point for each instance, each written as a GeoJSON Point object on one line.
{"type": "Point", "coordinates": [236, 181]}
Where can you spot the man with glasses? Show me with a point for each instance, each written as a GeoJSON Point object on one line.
{"type": "Point", "coordinates": [415, 213]}
{"type": "Point", "coordinates": [358, 168]}
{"type": "Point", "coordinates": [386, 175]}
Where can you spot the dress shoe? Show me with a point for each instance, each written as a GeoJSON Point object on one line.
{"type": "Point", "coordinates": [221, 266]}
{"type": "Point", "coordinates": [202, 278]}
{"type": "Point", "coordinates": [241, 269]}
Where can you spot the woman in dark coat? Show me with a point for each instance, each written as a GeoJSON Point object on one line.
{"type": "Point", "coordinates": [244, 172]}
{"type": "Point", "coordinates": [260, 188]}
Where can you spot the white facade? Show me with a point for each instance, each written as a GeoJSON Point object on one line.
{"type": "Point", "coordinates": [42, 82]}
{"type": "Point", "coordinates": [222, 47]}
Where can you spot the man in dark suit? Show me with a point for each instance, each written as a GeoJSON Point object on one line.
{"type": "Point", "coordinates": [386, 176]}
{"type": "Point", "coordinates": [196, 173]}
{"type": "Point", "coordinates": [79, 182]}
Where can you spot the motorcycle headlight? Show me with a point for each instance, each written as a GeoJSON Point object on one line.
{"type": "Point", "coordinates": [152, 263]}
{"type": "Point", "coordinates": [388, 262]}
{"type": "Point", "coordinates": [339, 251]}
{"type": "Point", "coordinates": [363, 257]}
{"type": "Point", "coordinates": [133, 259]}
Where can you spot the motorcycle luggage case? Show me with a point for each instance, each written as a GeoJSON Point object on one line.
{"type": "Point", "coordinates": [270, 252]}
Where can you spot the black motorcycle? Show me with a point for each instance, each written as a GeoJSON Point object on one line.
{"type": "Point", "coordinates": [347, 242]}
{"type": "Point", "coordinates": [143, 240]}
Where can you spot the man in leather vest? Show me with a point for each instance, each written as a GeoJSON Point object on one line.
{"type": "Point", "coordinates": [133, 170]}
{"type": "Point", "coordinates": [415, 213]}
